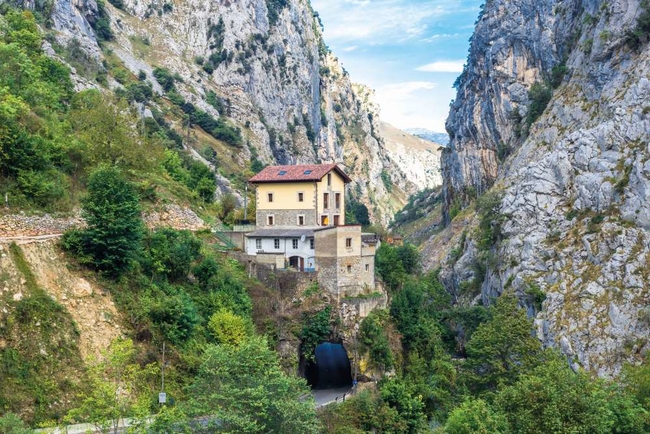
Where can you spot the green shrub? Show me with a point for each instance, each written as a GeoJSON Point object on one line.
{"type": "Point", "coordinates": [174, 314]}
{"type": "Point", "coordinates": [315, 330]}
{"type": "Point", "coordinates": [170, 253]}
{"type": "Point", "coordinates": [229, 329]}
{"type": "Point", "coordinates": [641, 33]}
{"type": "Point", "coordinates": [115, 228]}
{"type": "Point", "coordinates": [374, 339]}
{"type": "Point", "coordinates": [539, 96]}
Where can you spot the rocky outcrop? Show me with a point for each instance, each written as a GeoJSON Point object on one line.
{"type": "Point", "coordinates": [515, 44]}
{"type": "Point", "coordinates": [574, 191]}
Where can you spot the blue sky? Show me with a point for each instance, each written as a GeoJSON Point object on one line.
{"type": "Point", "coordinates": [409, 51]}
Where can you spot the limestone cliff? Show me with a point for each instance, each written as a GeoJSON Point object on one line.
{"type": "Point", "coordinates": [573, 182]}
{"type": "Point", "coordinates": [264, 61]}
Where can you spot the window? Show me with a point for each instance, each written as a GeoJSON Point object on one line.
{"type": "Point", "coordinates": [301, 220]}
{"type": "Point", "coordinates": [307, 172]}
{"type": "Point", "coordinates": [337, 200]}
{"type": "Point", "coordinates": [301, 197]}
{"type": "Point", "coordinates": [270, 220]}
{"type": "Point", "coordinates": [276, 243]}
{"type": "Point", "coordinates": [326, 200]}
{"type": "Point", "coordinates": [348, 242]}
{"type": "Point", "coordinates": [282, 172]}
{"type": "Point", "coordinates": [336, 220]}
{"type": "Point", "coordinates": [324, 220]}
{"type": "Point", "coordinates": [311, 243]}
{"type": "Point", "coordinates": [258, 243]}
{"type": "Point", "coordinates": [349, 269]}
{"type": "Point", "coordinates": [270, 197]}
{"type": "Point", "coordinates": [294, 243]}
{"type": "Point", "coordinates": [367, 267]}
{"type": "Point", "coordinates": [329, 179]}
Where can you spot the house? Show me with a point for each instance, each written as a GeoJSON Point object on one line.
{"type": "Point", "coordinates": [301, 225]}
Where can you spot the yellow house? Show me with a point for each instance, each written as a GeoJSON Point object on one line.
{"type": "Point", "coordinates": [301, 225]}
{"type": "Point", "coordinates": [310, 195]}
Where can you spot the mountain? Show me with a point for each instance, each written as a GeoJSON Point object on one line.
{"type": "Point", "coordinates": [417, 158]}
{"type": "Point", "coordinates": [261, 67]}
{"type": "Point", "coordinates": [546, 175]}
{"type": "Point", "coordinates": [432, 136]}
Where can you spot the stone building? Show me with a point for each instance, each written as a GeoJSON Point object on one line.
{"type": "Point", "coordinates": [301, 225]}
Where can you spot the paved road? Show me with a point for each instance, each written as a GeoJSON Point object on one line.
{"type": "Point", "coordinates": [327, 396]}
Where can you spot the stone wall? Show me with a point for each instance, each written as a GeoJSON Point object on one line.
{"type": "Point", "coordinates": [22, 225]}
{"type": "Point", "coordinates": [353, 279]}
{"type": "Point", "coordinates": [174, 216]}
{"type": "Point", "coordinates": [286, 217]}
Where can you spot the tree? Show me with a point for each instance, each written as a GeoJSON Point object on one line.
{"type": "Point", "coordinates": [244, 390]}
{"type": "Point", "coordinates": [174, 314]}
{"type": "Point", "coordinates": [115, 227]}
{"type": "Point", "coordinates": [108, 128]}
{"type": "Point", "coordinates": [410, 408]}
{"type": "Point", "coordinates": [374, 339]}
{"type": "Point", "coordinates": [118, 386]}
{"type": "Point", "coordinates": [637, 382]}
{"type": "Point", "coordinates": [554, 399]}
{"type": "Point", "coordinates": [409, 257]}
{"type": "Point", "coordinates": [502, 347]}
{"type": "Point", "coordinates": [228, 328]}
{"type": "Point", "coordinates": [170, 252]}
{"type": "Point", "coordinates": [389, 267]}
{"type": "Point", "coordinates": [476, 417]}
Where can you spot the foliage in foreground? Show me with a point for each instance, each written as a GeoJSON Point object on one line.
{"type": "Point", "coordinates": [244, 390]}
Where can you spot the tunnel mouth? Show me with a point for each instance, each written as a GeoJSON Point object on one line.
{"type": "Point", "coordinates": [331, 368]}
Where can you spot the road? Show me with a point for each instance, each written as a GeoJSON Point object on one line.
{"type": "Point", "coordinates": [327, 396]}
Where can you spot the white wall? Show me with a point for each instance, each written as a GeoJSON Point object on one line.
{"type": "Point", "coordinates": [286, 247]}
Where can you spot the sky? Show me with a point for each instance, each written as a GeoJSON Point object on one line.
{"type": "Point", "coordinates": [409, 51]}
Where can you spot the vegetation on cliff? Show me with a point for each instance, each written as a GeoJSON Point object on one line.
{"type": "Point", "coordinates": [480, 370]}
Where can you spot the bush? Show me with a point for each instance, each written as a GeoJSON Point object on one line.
{"type": "Point", "coordinates": [374, 339]}
{"type": "Point", "coordinates": [170, 253]}
{"type": "Point", "coordinates": [174, 314]}
{"type": "Point", "coordinates": [476, 417]}
{"type": "Point", "coordinates": [315, 330]}
{"type": "Point", "coordinates": [102, 25]}
{"type": "Point", "coordinates": [165, 78]}
{"type": "Point", "coordinates": [641, 33]}
{"type": "Point", "coordinates": [228, 328]}
{"type": "Point", "coordinates": [539, 96]}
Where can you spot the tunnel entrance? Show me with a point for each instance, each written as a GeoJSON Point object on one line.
{"type": "Point", "coordinates": [331, 368]}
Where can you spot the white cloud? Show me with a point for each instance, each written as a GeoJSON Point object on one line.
{"type": "Point", "coordinates": [443, 66]}
{"type": "Point", "coordinates": [440, 36]}
{"type": "Point", "coordinates": [378, 22]}
{"type": "Point", "coordinates": [400, 91]}
{"type": "Point", "coordinates": [351, 48]}
{"type": "Point", "coordinates": [413, 104]}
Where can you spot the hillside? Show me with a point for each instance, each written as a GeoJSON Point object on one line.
{"type": "Point", "coordinates": [549, 131]}
{"type": "Point", "coordinates": [240, 84]}
{"type": "Point", "coordinates": [417, 158]}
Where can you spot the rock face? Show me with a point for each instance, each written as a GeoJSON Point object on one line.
{"type": "Point", "coordinates": [267, 61]}
{"type": "Point", "coordinates": [417, 158]}
{"type": "Point", "coordinates": [575, 187]}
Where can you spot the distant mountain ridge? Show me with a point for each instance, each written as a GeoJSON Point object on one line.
{"type": "Point", "coordinates": [432, 136]}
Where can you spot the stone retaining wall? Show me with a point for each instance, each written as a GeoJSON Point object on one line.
{"type": "Point", "coordinates": [21, 225]}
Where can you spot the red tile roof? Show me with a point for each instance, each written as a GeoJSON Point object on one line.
{"type": "Point", "coordinates": [301, 172]}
